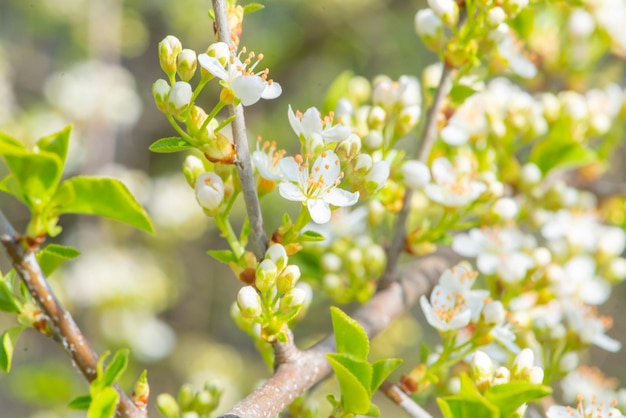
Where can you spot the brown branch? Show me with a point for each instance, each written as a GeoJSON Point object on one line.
{"type": "Point", "coordinates": [258, 239]}
{"type": "Point", "coordinates": [429, 135]}
{"type": "Point", "coordinates": [302, 369]}
{"type": "Point", "coordinates": [62, 324]}
{"type": "Point", "coordinates": [403, 400]}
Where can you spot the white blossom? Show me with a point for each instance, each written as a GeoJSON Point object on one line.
{"type": "Point", "coordinates": [454, 184]}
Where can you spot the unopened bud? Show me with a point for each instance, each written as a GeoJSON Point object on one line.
{"type": "Point", "coordinates": [447, 10]}
{"type": "Point", "coordinates": [535, 375]}
{"type": "Point", "coordinates": [377, 176]}
{"type": "Point", "coordinates": [160, 91]}
{"type": "Point", "coordinates": [523, 362]}
{"type": "Point", "coordinates": [192, 168]}
{"type": "Point", "coordinates": [169, 48]}
{"type": "Point", "coordinates": [292, 301]}
{"type": "Point", "coordinates": [186, 64]}
{"type": "Point", "coordinates": [506, 208]}
{"type": "Point", "coordinates": [531, 174]}
{"type": "Point", "coordinates": [266, 274]}
{"type": "Point", "coordinates": [179, 97]}
{"type": "Point", "coordinates": [500, 376]}
{"type": "Point", "coordinates": [568, 362]}
{"type": "Point", "coordinates": [359, 89]}
{"type": "Point", "coordinates": [349, 147]}
{"type": "Point", "coordinates": [185, 396]}
{"type": "Point", "coordinates": [376, 260]}
{"type": "Point", "coordinates": [363, 164]}
{"type": "Point", "coordinates": [278, 254]}
{"type": "Point", "coordinates": [481, 369]}
{"type": "Point", "coordinates": [495, 16]}
{"type": "Point", "coordinates": [167, 406]}
{"type": "Point", "coordinates": [408, 119]}
{"type": "Point", "coordinates": [376, 118]}
{"type": "Point", "coordinates": [219, 149]}
{"type": "Point", "coordinates": [288, 278]}
{"type": "Point", "coordinates": [141, 392]}
{"type": "Point", "coordinates": [249, 302]}
{"type": "Point", "coordinates": [493, 313]}
{"type": "Point", "coordinates": [429, 27]}
{"type": "Point", "coordinates": [209, 189]}
{"type": "Point", "coordinates": [415, 173]}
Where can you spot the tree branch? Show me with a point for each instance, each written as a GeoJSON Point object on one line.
{"type": "Point", "coordinates": [403, 400]}
{"type": "Point", "coordinates": [429, 135]}
{"type": "Point", "coordinates": [305, 368]}
{"type": "Point", "coordinates": [258, 239]}
{"type": "Point", "coordinates": [64, 328]}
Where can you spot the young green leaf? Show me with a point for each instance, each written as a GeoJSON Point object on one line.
{"type": "Point", "coordinates": [106, 197]}
{"type": "Point", "coordinates": [510, 396]}
{"type": "Point", "coordinates": [56, 143]}
{"type": "Point", "coordinates": [80, 403]}
{"type": "Point", "coordinates": [103, 404]}
{"type": "Point", "coordinates": [349, 335]}
{"type": "Point", "coordinates": [252, 7]}
{"type": "Point", "coordinates": [460, 92]}
{"type": "Point", "coordinates": [10, 186]}
{"type": "Point", "coordinates": [354, 396]}
{"type": "Point", "coordinates": [311, 236]}
{"type": "Point", "coordinates": [53, 255]}
{"type": "Point", "coordinates": [8, 339]}
{"type": "Point", "coordinates": [7, 143]}
{"type": "Point", "coordinates": [362, 370]}
{"type": "Point", "coordinates": [458, 407]}
{"type": "Point", "coordinates": [168, 145]}
{"type": "Point", "coordinates": [115, 369]}
{"type": "Point", "coordinates": [224, 256]}
{"type": "Point", "coordinates": [381, 369]}
{"type": "Point", "coordinates": [8, 303]}
{"type": "Point", "coordinates": [37, 175]}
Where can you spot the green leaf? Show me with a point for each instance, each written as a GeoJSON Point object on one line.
{"type": "Point", "coordinates": [37, 175]}
{"type": "Point", "coordinates": [53, 255]}
{"type": "Point", "coordinates": [468, 388]}
{"type": "Point", "coordinates": [80, 403]}
{"type": "Point", "coordinates": [459, 93]}
{"type": "Point", "coordinates": [103, 404]}
{"type": "Point", "coordinates": [252, 7]}
{"type": "Point", "coordinates": [56, 143]}
{"type": "Point", "coordinates": [10, 186]}
{"type": "Point", "coordinates": [171, 144]}
{"type": "Point", "coordinates": [381, 369]}
{"type": "Point", "coordinates": [354, 396]}
{"type": "Point", "coordinates": [8, 339]}
{"type": "Point", "coordinates": [8, 302]}
{"type": "Point", "coordinates": [337, 90]}
{"type": "Point", "coordinates": [554, 153]}
{"type": "Point", "coordinates": [106, 197]}
{"type": "Point", "coordinates": [457, 407]}
{"type": "Point", "coordinates": [115, 369]}
{"type": "Point", "coordinates": [311, 236]}
{"type": "Point", "coordinates": [374, 411]}
{"type": "Point", "coordinates": [362, 370]}
{"type": "Point", "coordinates": [7, 143]}
{"type": "Point", "coordinates": [224, 256]}
{"type": "Point", "coordinates": [349, 335]}
{"type": "Point", "coordinates": [509, 396]}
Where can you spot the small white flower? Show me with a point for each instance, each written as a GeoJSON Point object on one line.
{"type": "Point", "coordinates": [428, 24]}
{"type": "Point", "coordinates": [584, 321]}
{"type": "Point", "coordinates": [209, 190]}
{"type": "Point", "coordinates": [591, 411]}
{"type": "Point", "coordinates": [468, 121]}
{"type": "Point", "coordinates": [315, 131]}
{"type": "Point", "coordinates": [506, 208]}
{"type": "Point", "coordinates": [581, 24]}
{"type": "Point", "coordinates": [454, 185]}
{"type": "Point", "coordinates": [240, 77]}
{"type": "Point", "coordinates": [316, 187]}
{"type": "Point", "coordinates": [415, 173]}
{"type": "Point", "coordinates": [447, 310]}
{"type": "Point", "coordinates": [267, 161]}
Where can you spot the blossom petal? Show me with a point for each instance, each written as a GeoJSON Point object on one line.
{"type": "Point", "coordinates": [340, 197]}
{"type": "Point", "coordinates": [454, 135]}
{"type": "Point", "coordinates": [607, 343]}
{"type": "Point", "coordinates": [291, 192]}
{"type": "Point", "coordinates": [213, 65]}
{"type": "Point", "coordinates": [272, 90]}
{"type": "Point", "coordinates": [294, 121]}
{"type": "Point", "coordinates": [319, 210]}
{"type": "Point", "coordinates": [337, 133]}
{"type": "Point", "coordinates": [311, 122]}
{"type": "Point", "coordinates": [327, 167]}
{"type": "Point", "coordinates": [290, 168]}
{"type": "Point", "coordinates": [248, 88]}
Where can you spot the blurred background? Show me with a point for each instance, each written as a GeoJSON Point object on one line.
{"type": "Point", "coordinates": [91, 63]}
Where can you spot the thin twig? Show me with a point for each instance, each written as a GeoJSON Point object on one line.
{"type": "Point", "coordinates": [305, 368]}
{"type": "Point", "coordinates": [64, 328]}
{"type": "Point", "coordinates": [403, 400]}
{"type": "Point", "coordinates": [258, 239]}
{"type": "Point", "coordinates": [429, 135]}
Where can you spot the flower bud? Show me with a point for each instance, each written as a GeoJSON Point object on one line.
{"type": "Point", "coordinates": [249, 302]}
{"type": "Point", "coordinates": [531, 174]}
{"type": "Point", "coordinates": [495, 16]}
{"type": "Point", "coordinates": [278, 254]}
{"type": "Point", "coordinates": [407, 119]}
{"type": "Point", "coordinates": [541, 256]}
{"type": "Point", "coordinates": [219, 149]}
{"type": "Point", "coordinates": [523, 362]}
{"type": "Point", "coordinates": [481, 369]}
{"type": "Point", "coordinates": [377, 176]}
{"type": "Point", "coordinates": [266, 274]}
{"type": "Point", "coordinates": [141, 391]}
{"type": "Point", "coordinates": [288, 278]}
{"type": "Point", "coordinates": [186, 64]}
{"type": "Point", "coordinates": [292, 301]}
{"type": "Point", "coordinates": [506, 208]}
{"type": "Point", "coordinates": [376, 260]}
{"type": "Point", "coordinates": [500, 376]}
{"type": "Point", "coordinates": [349, 147]}
{"type": "Point", "coordinates": [580, 24]}
{"type": "Point", "coordinates": [160, 91]}
{"type": "Point", "coordinates": [447, 10]}
{"type": "Point", "coordinates": [493, 313]}
{"type": "Point", "coordinates": [192, 168]}
{"type": "Point", "coordinates": [330, 262]}
{"type": "Point", "coordinates": [169, 48]}
{"type": "Point", "coordinates": [415, 174]}
{"type": "Point", "coordinates": [167, 406]}
{"type": "Point", "coordinates": [376, 118]}
{"type": "Point", "coordinates": [568, 362]}
{"type": "Point", "coordinates": [429, 27]}
{"type": "Point", "coordinates": [185, 396]}
{"type": "Point", "coordinates": [617, 269]}
{"type": "Point", "coordinates": [535, 375]}
{"type": "Point", "coordinates": [359, 89]}
{"type": "Point", "coordinates": [209, 189]}
{"type": "Point", "coordinates": [362, 164]}
{"type": "Point", "coordinates": [179, 97]}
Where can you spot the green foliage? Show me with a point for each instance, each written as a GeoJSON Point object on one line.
{"type": "Point", "coordinates": [53, 256]}
{"type": "Point", "coordinates": [8, 339]}
{"type": "Point", "coordinates": [8, 301]}
{"type": "Point", "coordinates": [169, 145]}
{"type": "Point", "coordinates": [498, 401]}
{"type": "Point", "coordinates": [35, 179]}
{"type": "Point", "coordinates": [358, 379]}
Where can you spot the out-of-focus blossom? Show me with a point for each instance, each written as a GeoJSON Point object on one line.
{"type": "Point", "coordinates": [454, 184]}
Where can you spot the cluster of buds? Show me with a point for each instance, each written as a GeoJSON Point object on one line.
{"type": "Point", "coordinates": [274, 299]}
{"type": "Point", "coordinates": [190, 403]}
{"type": "Point", "coordinates": [351, 267]}
{"type": "Point", "coordinates": [212, 189]}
